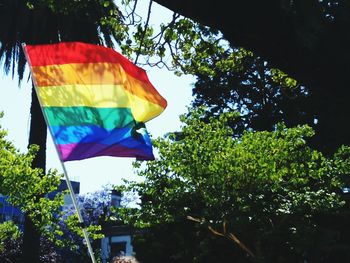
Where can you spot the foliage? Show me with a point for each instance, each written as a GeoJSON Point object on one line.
{"type": "Point", "coordinates": [96, 211]}
{"type": "Point", "coordinates": [94, 206]}
{"type": "Point", "coordinates": [262, 190]}
{"type": "Point", "coordinates": [41, 21]}
{"type": "Point", "coordinates": [257, 84]}
{"type": "Point", "coordinates": [26, 187]}
{"type": "Point", "coordinates": [263, 96]}
{"type": "Point", "coordinates": [9, 237]}
{"type": "Point", "coordinates": [61, 232]}
{"type": "Point", "coordinates": [8, 230]}
{"type": "Point", "coordinates": [103, 22]}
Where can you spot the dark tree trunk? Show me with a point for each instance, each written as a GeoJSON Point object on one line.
{"type": "Point", "coordinates": [38, 135]}
{"type": "Point", "coordinates": [38, 132]}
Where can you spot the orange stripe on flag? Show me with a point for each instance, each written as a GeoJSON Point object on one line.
{"type": "Point", "coordinates": [95, 74]}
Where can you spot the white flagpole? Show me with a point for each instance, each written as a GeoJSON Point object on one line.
{"type": "Point", "coordinates": [74, 200]}
{"type": "Point", "coordinates": [85, 233]}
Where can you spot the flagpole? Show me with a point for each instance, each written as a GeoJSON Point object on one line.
{"type": "Point", "coordinates": [75, 203]}
{"type": "Point", "coordinates": [74, 200]}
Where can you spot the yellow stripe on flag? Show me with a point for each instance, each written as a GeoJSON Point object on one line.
{"type": "Point", "coordinates": [99, 96]}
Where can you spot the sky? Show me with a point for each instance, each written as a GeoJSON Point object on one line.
{"type": "Point", "coordinates": [94, 173]}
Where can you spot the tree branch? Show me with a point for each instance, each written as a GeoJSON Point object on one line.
{"type": "Point", "coordinates": [224, 233]}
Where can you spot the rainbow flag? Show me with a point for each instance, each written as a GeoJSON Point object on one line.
{"type": "Point", "coordinates": [95, 101]}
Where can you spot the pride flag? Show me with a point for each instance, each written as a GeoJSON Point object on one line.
{"type": "Point", "coordinates": [95, 101]}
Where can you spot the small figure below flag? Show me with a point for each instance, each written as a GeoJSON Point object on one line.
{"type": "Point", "coordinates": [95, 101]}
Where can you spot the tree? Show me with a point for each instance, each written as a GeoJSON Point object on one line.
{"type": "Point", "coordinates": [260, 191]}
{"type": "Point", "coordinates": [301, 38]}
{"type": "Point", "coordinates": [26, 188]}
{"type": "Point", "coordinates": [97, 212]}
{"type": "Point", "coordinates": [60, 230]}
{"type": "Point", "coordinates": [9, 237]}
{"type": "Point", "coordinates": [236, 80]}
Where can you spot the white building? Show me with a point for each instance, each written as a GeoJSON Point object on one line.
{"type": "Point", "coordinates": [117, 239]}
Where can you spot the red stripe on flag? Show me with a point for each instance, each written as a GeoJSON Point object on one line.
{"type": "Point", "coordinates": [78, 52]}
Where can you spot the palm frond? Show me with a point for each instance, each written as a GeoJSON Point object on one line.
{"type": "Point", "coordinates": [41, 25]}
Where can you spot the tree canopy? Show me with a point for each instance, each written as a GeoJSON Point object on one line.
{"type": "Point", "coordinates": [307, 40]}
{"type": "Point", "coordinates": [261, 190]}
{"type": "Point", "coordinates": [27, 188]}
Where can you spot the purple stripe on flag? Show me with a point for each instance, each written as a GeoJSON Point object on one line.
{"type": "Point", "coordinates": [79, 151]}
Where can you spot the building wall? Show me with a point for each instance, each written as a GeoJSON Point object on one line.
{"type": "Point", "coordinates": [117, 241]}
{"type": "Point", "coordinates": [9, 212]}
{"type": "Point", "coordinates": [113, 246]}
